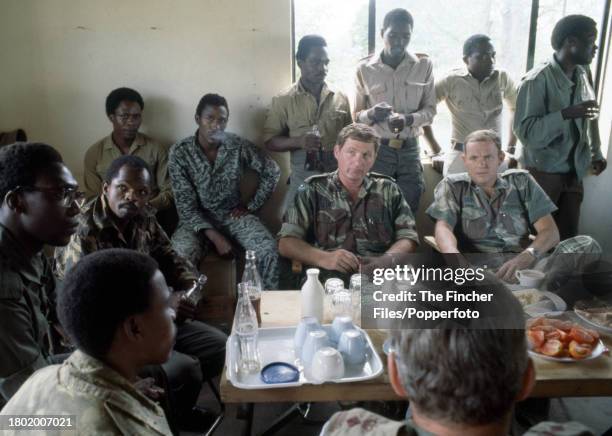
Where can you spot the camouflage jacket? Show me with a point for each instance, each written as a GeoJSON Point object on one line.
{"type": "Point", "coordinates": [97, 231]}
{"type": "Point", "coordinates": [357, 422]}
{"type": "Point", "coordinates": [323, 214]}
{"type": "Point", "coordinates": [27, 290]}
{"type": "Point", "coordinates": [205, 193]}
{"type": "Point", "coordinates": [498, 224]}
{"type": "Point", "coordinates": [102, 401]}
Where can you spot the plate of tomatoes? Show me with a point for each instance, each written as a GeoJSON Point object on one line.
{"type": "Point", "coordinates": [562, 341]}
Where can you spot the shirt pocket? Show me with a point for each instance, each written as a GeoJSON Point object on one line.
{"type": "Point", "coordinates": [475, 222]}
{"type": "Point", "coordinates": [379, 231]}
{"type": "Point", "coordinates": [378, 93]}
{"type": "Point", "coordinates": [414, 94]}
{"type": "Point", "coordinates": [329, 232]}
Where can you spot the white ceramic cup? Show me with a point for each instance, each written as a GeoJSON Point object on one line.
{"type": "Point", "coordinates": [306, 325]}
{"type": "Point", "coordinates": [327, 364]}
{"type": "Point", "coordinates": [340, 325]}
{"type": "Point", "coordinates": [314, 342]}
{"type": "Point", "coordinates": [531, 278]}
{"type": "Point", "coordinates": [353, 347]}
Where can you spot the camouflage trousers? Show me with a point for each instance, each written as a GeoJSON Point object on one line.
{"type": "Point", "coordinates": [247, 231]}
{"type": "Point", "coordinates": [571, 255]}
{"type": "Point", "coordinates": [404, 165]}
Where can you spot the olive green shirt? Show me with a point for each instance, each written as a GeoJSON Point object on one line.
{"type": "Point", "coordinates": [323, 213]}
{"type": "Point", "coordinates": [100, 155]}
{"type": "Point", "coordinates": [552, 144]}
{"type": "Point", "coordinates": [483, 224]}
{"type": "Point", "coordinates": [294, 112]}
{"type": "Point", "coordinates": [102, 401]}
{"type": "Point", "coordinates": [27, 291]}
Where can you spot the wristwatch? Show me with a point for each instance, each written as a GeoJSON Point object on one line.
{"type": "Point", "coordinates": [535, 253]}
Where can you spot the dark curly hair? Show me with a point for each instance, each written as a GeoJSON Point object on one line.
{"type": "Point", "coordinates": [307, 43]}
{"type": "Point", "coordinates": [473, 42]}
{"type": "Point", "coordinates": [100, 292]}
{"type": "Point", "coordinates": [22, 162]}
{"type": "Point", "coordinates": [118, 95]}
{"type": "Point", "coordinates": [571, 25]}
{"type": "Point", "coordinates": [211, 100]}
{"type": "Point", "coordinates": [398, 15]}
{"type": "Point", "coordinates": [129, 160]}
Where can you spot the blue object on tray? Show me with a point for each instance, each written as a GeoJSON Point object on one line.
{"type": "Point", "coordinates": [279, 372]}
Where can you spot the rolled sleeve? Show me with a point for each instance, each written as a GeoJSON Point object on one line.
{"type": "Point", "coordinates": [403, 222]}
{"type": "Point", "coordinates": [298, 218]}
{"type": "Point", "coordinates": [444, 207]}
{"type": "Point", "coordinates": [276, 120]}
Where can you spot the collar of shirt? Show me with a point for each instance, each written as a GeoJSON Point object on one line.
{"type": "Point", "coordinates": [563, 81]}
{"type": "Point", "coordinates": [86, 374]}
{"type": "Point", "coordinates": [326, 91]}
{"type": "Point", "coordinates": [363, 190]}
{"type": "Point", "coordinates": [221, 150]}
{"type": "Point", "coordinates": [32, 268]}
{"type": "Point", "coordinates": [408, 61]}
{"type": "Point", "coordinates": [138, 142]}
{"type": "Point", "coordinates": [464, 72]}
{"type": "Point", "coordinates": [102, 219]}
{"type": "Point", "coordinates": [501, 186]}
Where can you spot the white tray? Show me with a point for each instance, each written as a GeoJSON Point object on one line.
{"type": "Point", "coordinates": [276, 345]}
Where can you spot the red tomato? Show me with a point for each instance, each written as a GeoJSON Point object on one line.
{"type": "Point", "coordinates": [579, 351]}
{"type": "Point", "coordinates": [561, 325]}
{"type": "Point", "coordinates": [535, 338]}
{"type": "Point", "coordinates": [579, 335]}
{"type": "Point", "coordinates": [552, 347]}
{"type": "Point", "coordinates": [545, 328]}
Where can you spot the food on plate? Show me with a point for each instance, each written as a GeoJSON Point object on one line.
{"type": "Point", "coordinates": [557, 338]}
{"type": "Point", "coordinates": [596, 311]}
{"type": "Point", "coordinates": [528, 296]}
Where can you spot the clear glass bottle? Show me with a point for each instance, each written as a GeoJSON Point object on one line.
{"type": "Point", "coordinates": [355, 291]}
{"type": "Point", "coordinates": [195, 293]}
{"type": "Point", "coordinates": [251, 277]}
{"type": "Point", "coordinates": [246, 330]}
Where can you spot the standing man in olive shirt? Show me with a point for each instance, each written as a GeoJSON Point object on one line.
{"type": "Point", "coordinates": [124, 108]}
{"type": "Point", "coordinates": [306, 119]}
{"type": "Point", "coordinates": [395, 94]}
{"type": "Point", "coordinates": [555, 120]}
{"type": "Point", "coordinates": [39, 206]}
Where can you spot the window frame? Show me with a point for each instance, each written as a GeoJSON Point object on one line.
{"type": "Point", "coordinates": [602, 53]}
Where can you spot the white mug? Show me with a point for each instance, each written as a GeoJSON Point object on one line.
{"type": "Point", "coordinates": [531, 278]}
{"type": "Point", "coordinates": [327, 364]}
{"type": "Point", "coordinates": [306, 325]}
{"type": "Point", "coordinates": [353, 347]}
{"type": "Point", "coordinates": [314, 342]}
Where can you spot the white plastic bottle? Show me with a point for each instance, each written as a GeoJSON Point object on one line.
{"type": "Point", "coordinates": [313, 295]}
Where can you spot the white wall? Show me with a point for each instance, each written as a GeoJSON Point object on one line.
{"type": "Point", "coordinates": [60, 58]}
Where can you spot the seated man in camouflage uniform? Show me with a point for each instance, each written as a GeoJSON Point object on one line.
{"type": "Point", "coordinates": [452, 395]}
{"type": "Point", "coordinates": [114, 341]}
{"type": "Point", "coordinates": [120, 218]}
{"type": "Point", "coordinates": [206, 170]}
{"type": "Point", "coordinates": [347, 218]}
{"type": "Point", "coordinates": [482, 211]}
{"type": "Point", "coordinates": [38, 206]}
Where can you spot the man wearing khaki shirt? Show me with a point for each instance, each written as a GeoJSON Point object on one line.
{"type": "Point", "coordinates": [124, 110]}
{"type": "Point", "coordinates": [306, 119]}
{"type": "Point", "coordinates": [475, 95]}
{"type": "Point", "coordinates": [395, 94]}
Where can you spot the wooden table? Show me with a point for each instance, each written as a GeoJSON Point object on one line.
{"type": "Point", "coordinates": [281, 309]}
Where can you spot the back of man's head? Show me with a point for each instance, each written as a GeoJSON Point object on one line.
{"type": "Point", "coordinates": [100, 292]}
{"type": "Point", "coordinates": [21, 163]}
{"type": "Point", "coordinates": [469, 374]}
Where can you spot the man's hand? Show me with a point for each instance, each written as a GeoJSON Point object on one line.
{"type": "Point", "coordinates": [238, 212]}
{"type": "Point", "coordinates": [380, 112]}
{"type": "Point", "coordinates": [340, 260]}
{"type": "Point", "coordinates": [599, 166]}
{"type": "Point", "coordinates": [310, 141]}
{"type": "Point", "coordinates": [586, 109]}
{"type": "Point", "coordinates": [184, 308]}
{"type": "Point", "coordinates": [147, 387]}
{"type": "Point", "coordinates": [507, 272]}
{"type": "Point", "coordinates": [222, 245]}
{"type": "Point", "coordinates": [396, 122]}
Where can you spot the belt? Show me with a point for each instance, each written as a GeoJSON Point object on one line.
{"type": "Point", "coordinates": [395, 143]}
